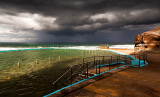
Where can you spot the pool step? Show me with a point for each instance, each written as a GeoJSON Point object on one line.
{"type": "Point", "coordinates": [84, 75]}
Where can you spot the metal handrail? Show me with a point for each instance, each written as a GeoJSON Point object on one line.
{"type": "Point", "coordinates": [74, 74]}
{"type": "Point", "coordinates": [62, 75]}
{"type": "Point", "coordinates": [78, 69]}
{"type": "Point", "coordinates": [71, 75]}
{"type": "Point", "coordinates": [83, 72]}
{"type": "Point", "coordinates": [119, 58]}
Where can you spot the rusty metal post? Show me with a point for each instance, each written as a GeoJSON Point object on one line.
{"type": "Point", "coordinates": [37, 62]}
{"type": "Point", "coordinates": [49, 60]}
{"type": "Point", "coordinates": [59, 58]}
{"type": "Point", "coordinates": [117, 59]}
{"type": "Point", "coordinates": [18, 66]}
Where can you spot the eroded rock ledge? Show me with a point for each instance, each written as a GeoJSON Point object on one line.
{"type": "Point", "coordinates": [148, 40]}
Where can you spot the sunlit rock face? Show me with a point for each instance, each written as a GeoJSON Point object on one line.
{"type": "Point", "coordinates": [148, 40]}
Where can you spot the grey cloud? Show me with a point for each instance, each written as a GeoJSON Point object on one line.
{"type": "Point", "coordinates": [73, 20]}
{"type": "Point", "coordinates": [80, 7]}
{"type": "Point", "coordinates": [73, 14]}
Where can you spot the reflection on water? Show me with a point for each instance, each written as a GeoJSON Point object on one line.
{"type": "Point", "coordinates": [36, 84]}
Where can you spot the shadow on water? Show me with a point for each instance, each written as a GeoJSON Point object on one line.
{"type": "Point", "coordinates": [35, 84]}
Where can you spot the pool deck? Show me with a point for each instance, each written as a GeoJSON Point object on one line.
{"type": "Point", "coordinates": [133, 82]}
{"type": "Point", "coordinates": [127, 82]}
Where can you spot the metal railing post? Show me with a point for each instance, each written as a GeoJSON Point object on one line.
{"type": "Point", "coordinates": [94, 61]}
{"type": "Point", "coordinates": [71, 74]}
{"type": "Point", "coordinates": [109, 64]}
{"type": "Point", "coordinates": [87, 69]}
{"type": "Point", "coordinates": [83, 63]}
{"type": "Point", "coordinates": [124, 60]}
{"type": "Point", "coordinates": [111, 59]}
{"type": "Point", "coordinates": [103, 60]}
{"type": "Point", "coordinates": [139, 61]}
{"type": "Point", "coordinates": [96, 66]}
{"type": "Point", "coordinates": [137, 57]}
{"type": "Point", "coordinates": [144, 58]}
{"type": "Point", "coordinates": [99, 67]}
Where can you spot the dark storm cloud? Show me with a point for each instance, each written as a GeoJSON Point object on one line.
{"type": "Point", "coordinates": [85, 17]}
{"type": "Point", "coordinates": [58, 7]}
{"type": "Point", "coordinates": [73, 20]}
{"type": "Point", "coordinates": [68, 32]}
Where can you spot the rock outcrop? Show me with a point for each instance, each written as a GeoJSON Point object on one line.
{"type": "Point", "coordinates": [148, 40]}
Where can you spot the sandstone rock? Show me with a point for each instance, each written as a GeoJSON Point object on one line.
{"type": "Point", "coordinates": [149, 39]}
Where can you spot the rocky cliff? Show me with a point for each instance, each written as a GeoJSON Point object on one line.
{"type": "Point", "coordinates": [149, 39]}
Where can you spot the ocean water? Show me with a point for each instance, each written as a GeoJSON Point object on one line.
{"type": "Point", "coordinates": [122, 46]}
{"type": "Point", "coordinates": [15, 46]}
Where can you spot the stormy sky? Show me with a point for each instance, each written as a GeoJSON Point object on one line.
{"type": "Point", "coordinates": [76, 21]}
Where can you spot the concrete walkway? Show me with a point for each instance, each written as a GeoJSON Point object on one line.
{"type": "Point", "coordinates": [134, 82]}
